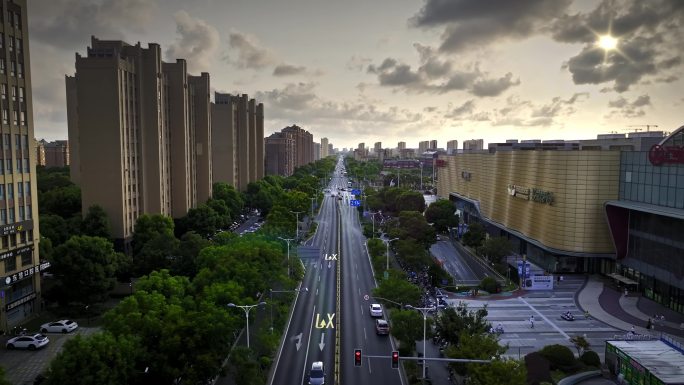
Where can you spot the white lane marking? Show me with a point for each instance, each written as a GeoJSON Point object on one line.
{"type": "Point", "coordinates": [316, 291]}
{"type": "Point", "coordinates": [545, 319]}
{"type": "Point", "coordinates": [306, 357]}
{"type": "Point", "coordinates": [357, 276]}
{"type": "Point", "coordinates": [369, 367]}
{"type": "Point", "coordinates": [359, 291]}
{"type": "Point", "coordinates": [365, 336]}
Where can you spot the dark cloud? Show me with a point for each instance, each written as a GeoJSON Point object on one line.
{"type": "Point", "coordinates": [69, 24]}
{"type": "Point", "coordinates": [474, 23]}
{"type": "Point", "coordinates": [629, 109]}
{"type": "Point", "coordinates": [649, 41]}
{"type": "Point", "coordinates": [494, 87]}
{"type": "Point", "coordinates": [558, 106]}
{"type": "Point", "coordinates": [462, 111]}
{"type": "Point", "coordinates": [285, 69]}
{"type": "Point", "coordinates": [250, 53]}
{"type": "Point", "coordinates": [198, 42]}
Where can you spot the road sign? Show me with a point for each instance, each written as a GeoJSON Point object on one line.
{"type": "Point", "coordinates": [386, 275]}
{"type": "Point", "coordinates": [366, 297]}
{"type": "Point", "coordinates": [354, 202]}
{"type": "Point", "coordinates": [356, 191]}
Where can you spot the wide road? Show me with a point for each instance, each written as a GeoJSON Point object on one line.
{"type": "Point", "coordinates": [358, 328]}
{"type": "Point", "coordinates": [311, 332]}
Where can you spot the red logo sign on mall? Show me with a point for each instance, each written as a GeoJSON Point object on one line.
{"type": "Point", "coordinates": [659, 155]}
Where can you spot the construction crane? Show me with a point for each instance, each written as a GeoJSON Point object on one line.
{"type": "Point", "coordinates": [648, 127]}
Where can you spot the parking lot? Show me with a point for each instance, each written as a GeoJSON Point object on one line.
{"type": "Point", "coordinates": [22, 366]}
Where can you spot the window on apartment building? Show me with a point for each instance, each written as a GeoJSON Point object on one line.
{"type": "Point", "coordinates": [13, 67]}
{"type": "Point", "coordinates": [18, 166]}
{"type": "Point", "coordinates": [20, 190]}
{"type": "Point", "coordinates": [25, 143]}
{"type": "Point", "coordinates": [10, 264]}
{"type": "Point", "coordinates": [14, 93]}
{"type": "Point", "coordinates": [22, 91]}
{"type": "Point", "coordinates": [10, 43]}
{"type": "Point", "coordinates": [10, 217]}
{"type": "Point", "coordinates": [3, 91]}
{"type": "Point", "coordinates": [17, 141]}
{"type": "Point", "coordinates": [19, 46]}
{"type": "Point", "coordinates": [5, 120]}
{"type": "Point", "coordinates": [20, 70]}
{"type": "Point", "coordinates": [3, 217]}
{"type": "Point", "coordinates": [8, 166]}
{"type": "Point", "coordinates": [12, 239]}
{"type": "Point", "coordinates": [6, 141]}
{"type": "Point", "coordinates": [27, 189]}
{"type": "Point", "coordinates": [29, 213]}
{"type": "Point", "coordinates": [22, 120]}
{"type": "Point", "coordinates": [2, 191]}
{"type": "Point", "coordinates": [2, 66]}
{"type": "Point", "coordinates": [2, 168]}
{"type": "Point", "coordinates": [21, 213]}
{"type": "Point", "coordinates": [2, 40]}
{"type": "Point", "coordinates": [26, 165]}
{"type": "Point", "coordinates": [10, 192]}
{"type": "Point", "coordinates": [15, 118]}
{"type": "Point", "coordinates": [26, 258]}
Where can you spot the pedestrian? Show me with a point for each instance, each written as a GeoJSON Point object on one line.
{"type": "Point", "coordinates": [558, 278]}
{"type": "Point", "coordinates": [626, 292]}
{"type": "Point", "coordinates": [561, 279]}
{"type": "Point", "coordinates": [649, 324]}
{"type": "Point", "coordinates": [632, 332]}
{"type": "Point", "coordinates": [532, 322]}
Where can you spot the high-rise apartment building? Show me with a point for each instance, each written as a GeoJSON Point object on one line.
{"type": "Point", "coordinates": [19, 236]}
{"type": "Point", "coordinates": [317, 151]}
{"type": "Point", "coordinates": [423, 146]}
{"type": "Point", "coordinates": [433, 145]}
{"type": "Point", "coordinates": [52, 154]}
{"type": "Point", "coordinates": [377, 148]}
{"type": "Point", "coordinates": [154, 118]}
{"type": "Point", "coordinates": [473, 145]}
{"type": "Point", "coordinates": [325, 147]}
{"type": "Point", "coordinates": [280, 154]}
{"type": "Point", "coordinates": [303, 144]}
{"type": "Point", "coordinates": [401, 145]}
{"type": "Point", "coordinates": [40, 151]}
{"type": "Point", "coordinates": [237, 139]}
{"type": "Point", "coordinates": [452, 146]}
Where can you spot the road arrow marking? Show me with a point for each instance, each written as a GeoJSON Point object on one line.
{"type": "Point", "coordinates": [322, 344]}
{"type": "Point", "coordinates": [329, 264]}
{"type": "Point", "coordinates": [298, 337]}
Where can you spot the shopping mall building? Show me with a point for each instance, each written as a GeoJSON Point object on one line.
{"type": "Point", "coordinates": [613, 205]}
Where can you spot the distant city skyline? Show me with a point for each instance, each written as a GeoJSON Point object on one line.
{"type": "Point", "coordinates": [444, 70]}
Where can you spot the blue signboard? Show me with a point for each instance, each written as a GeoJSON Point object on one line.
{"type": "Point", "coordinates": [354, 202]}
{"type": "Point", "coordinates": [356, 192]}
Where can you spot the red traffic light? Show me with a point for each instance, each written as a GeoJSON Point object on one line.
{"type": "Point", "coordinates": [395, 360]}
{"type": "Point", "coordinates": [357, 357]}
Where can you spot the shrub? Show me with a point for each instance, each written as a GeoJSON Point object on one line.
{"type": "Point", "coordinates": [591, 358]}
{"type": "Point", "coordinates": [489, 285]}
{"type": "Point", "coordinates": [560, 357]}
{"type": "Point", "coordinates": [538, 369]}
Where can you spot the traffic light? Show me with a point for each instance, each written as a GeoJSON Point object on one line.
{"type": "Point", "coordinates": [395, 360]}
{"type": "Point", "coordinates": [357, 357]}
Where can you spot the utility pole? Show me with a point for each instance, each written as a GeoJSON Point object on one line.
{"type": "Point", "coordinates": [297, 223]}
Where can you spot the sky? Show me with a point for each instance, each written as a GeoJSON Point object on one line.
{"type": "Point", "coordinates": [396, 70]}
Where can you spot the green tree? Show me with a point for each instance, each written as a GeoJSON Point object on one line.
{"type": "Point", "coordinates": [85, 268]}
{"type": "Point", "coordinates": [477, 346]}
{"type": "Point", "coordinates": [222, 211]}
{"type": "Point", "coordinates": [203, 220]}
{"type": "Point", "coordinates": [97, 359]}
{"type": "Point", "coordinates": [45, 248]}
{"type": "Point", "coordinates": [148, 227]}
{"type": "Point", "coordinates": [3, 379]}
{"type": "Point", "coordinates": [498, 372]}
{"type": "Point", "coordinates": [413, 225]}
{"type": "Point", "coordinates": [95, 223]}
{"type": "Point", "coordinates": [453, 322]}
{"type": "Point", "coordinates": [581, 344]}
{"type": "Point", "coordinates": [442, 214]}
{"type": "Point", "coordinates": [411, 201]}
{"type": "Point", "coordinates": [231, 197]}
{"type": "Point", "coordinates": [376, 247]}
{"type": "Point", "coordinates": [407, 327]}
{"type": "Point", "coordinates": [186, 261]}
{"type": "Point", "coordinates": [54, 228]}
{"type": "Point", "coordinates": [62, 201]}
{"type": "Point", "coordinates": [398, 290]}
{"type": "Point", "coordinates": [157, 253]}
{"type": "Point", "coordinates": [413, 254]}
{"type": "Point", "coordinates": [475, 235]}
{"type": "Point", "coordinates": [495, 248]}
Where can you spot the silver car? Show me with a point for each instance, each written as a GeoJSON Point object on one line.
{"type": "Point", "coordinates": [317, 374]}
{"type": "Point", "coordinates": [32, 342]}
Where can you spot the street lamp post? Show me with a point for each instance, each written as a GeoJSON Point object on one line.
{"type": "Point", "coordinates": [297, 223]}
{"type": "Point", "coordinates": [372, 219]}
{"type": "Point", "coordinates": [312, 208]}
{"type": "Point", "coordinates": [282, 291]}
{"type": "Point", "coordinates": [424, 311]}
{"type": "Point", "coordinates": [288, 253]}
{"type": "Point", "coordinates": [246, 308]}
{"type": "Point", "coordinates": [387, 251]}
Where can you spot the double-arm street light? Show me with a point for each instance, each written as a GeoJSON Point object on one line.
{"type": "Point", "coordinates": [387, 242]}
{"type": "Point", "coordinates": [425, 311]}
{"type": "Point", "coordinates": [282, 291]}
{"type": "Point", "coordinates": [297, 229]}
{"type": "Point", "coordinates": [247, 308]}
{"type": "Point", "coordinates": [288, 253]}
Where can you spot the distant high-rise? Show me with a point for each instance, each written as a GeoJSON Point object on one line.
{"type": "Point", "coordinates": [52, 154]}
{"type": "Point", "coordinates": [325, 151]}
{"type": "Point", "coordinates": [317, 151]}
{"type": "Point", "coordinates": [377, 148]}
{"type": "Point", "coordinates": [401, 145]}
{"type": "Point", "coordinates": [473, 145]}
{"type": "Point", "coordinates": [280, 154]}
{"type": "Point", "coordinates": [303, 144]}
{"type": "Point", "coordinates": [19, 237]}
{"type": "Point", "coordinates": [224, 139]}
{"type": "Point", "coordinates": [423, 146]}
{"type": "Point", "coordinates": [452, 146]}
{"type": "Point", "coordinates": [433, 145]}
{"type": "Point", "coordinates": [330, 149]}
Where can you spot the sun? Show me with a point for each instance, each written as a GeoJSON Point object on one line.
{"type": "Point", "coordinates": [607, 42]}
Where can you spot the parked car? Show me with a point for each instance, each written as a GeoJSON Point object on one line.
{"type": "Point", "coordinates": [375, 310]}
{"type": "Point", "coordinates": [317, 374]}
{"type": "Point", "coordinates": [33, 342]}
{"type": "Point", "coordinates": [381, 327]}
{"type": "Point", "coordinates": [61, 326]}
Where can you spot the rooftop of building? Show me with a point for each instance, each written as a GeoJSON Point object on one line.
{"type": "Point", "coordinates": [662, 359]}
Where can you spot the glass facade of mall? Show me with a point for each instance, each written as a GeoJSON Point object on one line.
{"type": "Point", "coordinates": [647, 222]}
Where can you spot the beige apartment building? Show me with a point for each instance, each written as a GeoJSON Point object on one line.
{"type": "Point", "coordinates": [280, 154]}
{"type": "Point", "coordinates": [237, 140]}
{"type": "Point", "coordinates": [325, 148]}
{"type": "Point", "coordinates": [303, 144]}
{"type": "Point", "coordinates": [19, 236]}
{"type": "Point", "coordinates": [152, 117]}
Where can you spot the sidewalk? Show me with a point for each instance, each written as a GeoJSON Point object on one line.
{"type": "Point", "coordinates": [606, 304]}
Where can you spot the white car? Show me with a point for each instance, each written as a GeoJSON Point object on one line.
{"type": "Point", "coordinates": [61, 326]}
{"type": "Point", "coordinates": [376, 310]}
{"type": "Point", "coordinates": [317, 374]}
{"type": "Point", "coordinates": [33, 342]}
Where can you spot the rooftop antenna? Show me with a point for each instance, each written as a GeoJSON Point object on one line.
{"type": "Point", "coordinates": [648, 126]}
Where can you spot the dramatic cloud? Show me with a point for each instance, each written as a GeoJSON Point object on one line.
{"type": "Point", "coordinates": [474, 23]}
{"type": "Point", "coordinates": [288, 69]}
{"type": "Point", "coordinates": [70, 23]}
{"type": "Point", "coordinates": [646, 42]}
{"type": "Point", "coordinates": [558, 106]}
{"type": "Point", "coordinates": [198, 42]}
{"type": "Point", "coordinates": [438, 75]}
{"type": "Point", "coordinates": [629, 109]}
{"type": "Point", "coordinates": [462, 110]}
{"type": "Point", "coordinates": [250, 53]}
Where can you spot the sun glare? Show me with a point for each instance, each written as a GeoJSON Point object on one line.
{"type": "Point", "coordinates": [607, 42]}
